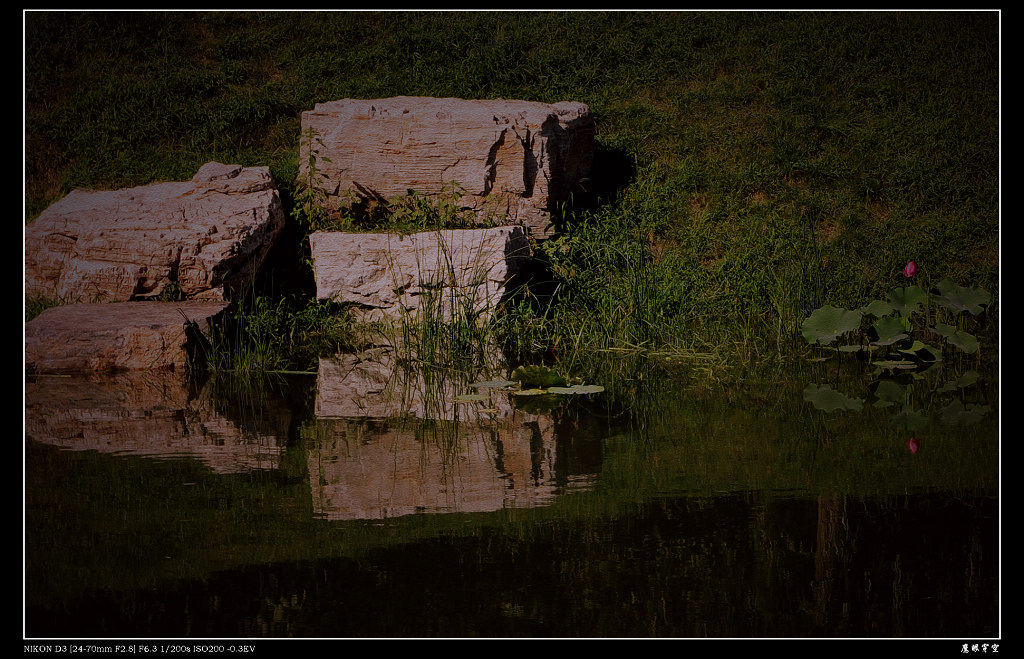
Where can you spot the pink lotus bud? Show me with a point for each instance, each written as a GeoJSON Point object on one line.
{"type": "Point", "coordinates": [913, 444]}
{"type": "Point", "coordinates": [910, 270]}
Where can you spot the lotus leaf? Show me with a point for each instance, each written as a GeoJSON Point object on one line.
{"type": "Point", "coordinates": [966, 342]}
{"type": "Point", "coordinates": [824, 397]}
{"type": "Point", "coordinates": [889, 330]}
{"type": "Point", "coordinates": [470, 398]}
{"type": "Point", "coordinates": [493, 384]}
{"type": "Point", "coordinates": [577, 389]}
{"type": "Point", "coordinates": [895, 364]}
{"type": "Point", "coordinates": [960, 298]}
{"type": "Point", "coordinates": [955, 412]}
{"type": "Point", "coordinates": [906, 301]}
{"type": "Point", "coordinates": [888, 393]}
{"type": "Point", "coordinates": [537, 377]}
{"type": "Point", "coordinates": [877, 308]}
{"type": "Point", "coordinates": [530, 392]}
{"type": "Point", "coordinates": [966, 380]}
{"type": "Point", "coordinates": [921, 353]}
{"type": "Point", "coordinates": [910, 419]}
{"type": "Point", "coordinates": [828, 323]}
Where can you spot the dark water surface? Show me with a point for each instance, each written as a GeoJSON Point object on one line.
{"type": "Point", "coordinates": [159, 509]}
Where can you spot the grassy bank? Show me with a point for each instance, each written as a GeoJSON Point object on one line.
{"type": "Point", "coordinates": [751, 166]}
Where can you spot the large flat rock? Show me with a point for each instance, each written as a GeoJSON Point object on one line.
{"type": "Point", "coordinates": [515, 161]}
{"type": "Point", "coordinates": [87, 338]}
{"type": "Point", "coordinates": [442, 275]}
{"type": "Point", "coordinates": [203, 238]}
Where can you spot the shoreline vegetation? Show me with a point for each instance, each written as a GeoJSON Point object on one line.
{"type": "Point", "coordinates": [751, 167]}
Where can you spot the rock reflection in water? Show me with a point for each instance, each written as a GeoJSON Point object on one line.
{"type": "Point", "coordinates": [152, 414]}
{"type": "Point", "coordinates": [388, 441]}
{"type": "Point", "coordinates": [393, 442]}
{"type": "Point", "coordinates": [373, 384]}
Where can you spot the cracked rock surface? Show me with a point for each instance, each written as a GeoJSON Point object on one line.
{"type": "Point", "coordinates": [514, 161]}
{"type": "Point", "coordinates": [205, 236]}
{"type": "Point", "coordinates": [449, 273]}
{"type": "Point", "coordinates": [96, 338]}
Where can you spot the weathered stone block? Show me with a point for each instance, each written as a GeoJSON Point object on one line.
{"type": "Point", "coordinates": [448, 273]}
{"type": "Point", "coordinates": [515, 161]}
{"type": "Point", "coordinates": [206, 236]}
{"type": "Point", "coordinates": [117, 336]}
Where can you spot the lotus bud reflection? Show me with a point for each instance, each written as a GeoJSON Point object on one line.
{"type": "Point", "coordinates": [910, 270]}
{"type": "Point", "coordinates": [913, 444]}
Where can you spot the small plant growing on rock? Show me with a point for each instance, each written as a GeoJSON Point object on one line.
{"type": "Point", "coordinates": [411, 212]}
{"type": "Point", "coordinates": [310, 204]}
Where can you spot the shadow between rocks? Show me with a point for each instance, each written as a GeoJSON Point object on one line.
{"type": "Point", "coordinates": [611, 171]}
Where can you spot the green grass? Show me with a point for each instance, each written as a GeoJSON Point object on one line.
{"type": "Point", "coordinates": [757, 165]}
{"type": "Point", "coordinates": [267, 334]}
{"type": "Point", "coordinates": [36, 305]}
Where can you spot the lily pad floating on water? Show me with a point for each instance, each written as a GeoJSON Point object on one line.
{"type": "Point", "coordinates": [543, 381]}
{"type": "Point", "coordinates": [895, 365]}
{"type": "Point", "coordinates": [577, 389]}
{"type": "Point", "coordinates": [530, 392]}
{"type": "Point", "coordinates": [471, 398]}
{"type": "Point", "coordinates": [493, 384]}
